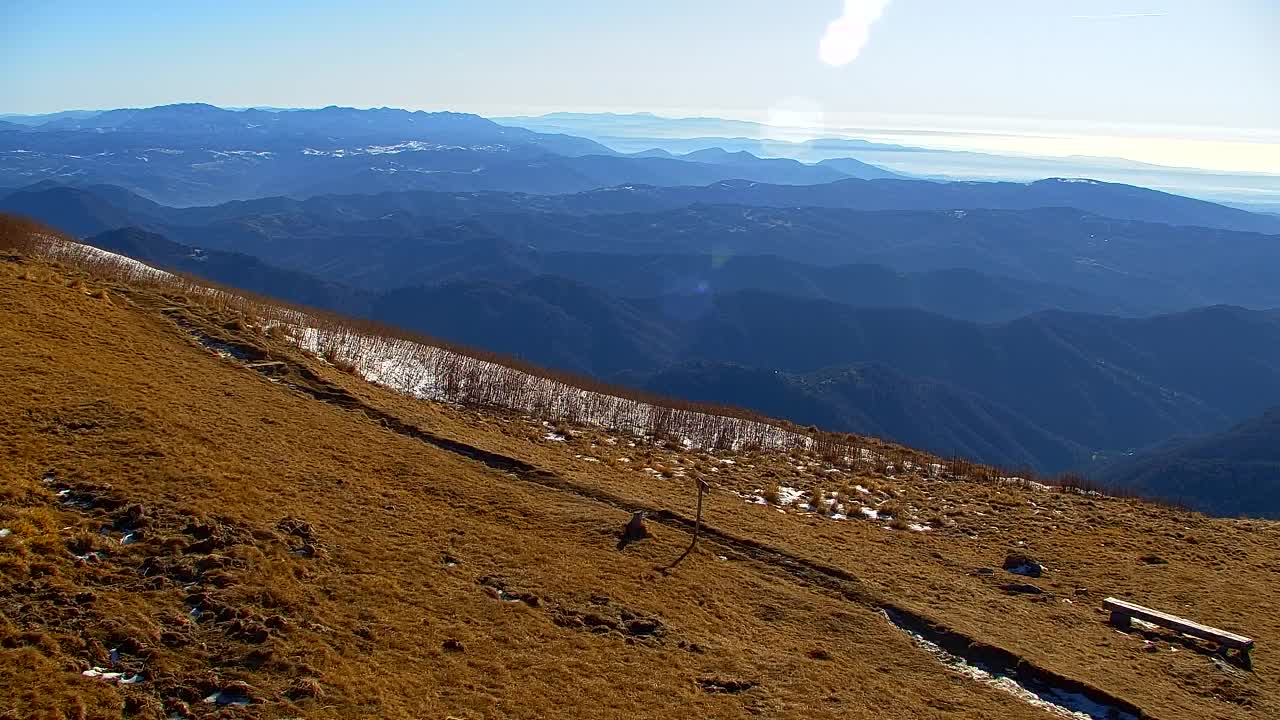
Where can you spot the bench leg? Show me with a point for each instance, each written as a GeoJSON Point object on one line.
{"type": "Point", "coordinates": [1120, 620]}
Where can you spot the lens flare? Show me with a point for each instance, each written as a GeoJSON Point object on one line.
{"type": "Point", "coordinates": [847, 34]}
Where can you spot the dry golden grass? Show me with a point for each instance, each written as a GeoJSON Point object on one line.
{"type": "Point", "coordinates": [345, 569]}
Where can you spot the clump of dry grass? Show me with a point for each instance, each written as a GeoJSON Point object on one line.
{"type": "Point", "coordinates": [1003, 499]}
{"type": "Point", "coordinates": [818, 500]}
{"type": "Point", "coordinates": [892, 508]}
{"type": "Point", "coordinates": [33, 537]}
{"type": "Point", "coordinates": [772, 493]}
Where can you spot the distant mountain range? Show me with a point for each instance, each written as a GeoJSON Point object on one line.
{"type": "Point", "coordinates": [972, 264]}
{"type": "Point", "coordinates": [1059, 386]}
{"type": "Point", "coordinates": [1235, 472]}
{"type": "Point", "coordinates": [646, 131]}
{"type": "Point", "coordinates": [874, 399]}
{"type": "Point", "coordinates": [200, 154]}
{"type": "Point", "coordinates": [1057, 324]}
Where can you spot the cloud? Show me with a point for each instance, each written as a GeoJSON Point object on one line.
{"type": "Point", "coordinates": [1119, 16]}
{"type": "Point", "coordinates": [847, 34]}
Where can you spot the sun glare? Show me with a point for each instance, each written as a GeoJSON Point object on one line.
{"type": "Point", "coordinates": [847, 34]}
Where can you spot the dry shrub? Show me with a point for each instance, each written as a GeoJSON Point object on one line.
{"type": "Point", "coordinates": [772, 493]}
{"type": "Point", "coordinates": [892, 508]}
{"type": "Point", "coordinates": [817, 500]}
{"type": "Point", "coordinates": [899, 524]}
{"type": "Point", "coordinates": [1003, 499]}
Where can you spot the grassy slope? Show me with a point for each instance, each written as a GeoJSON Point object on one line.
{"type": "Point", "coordinates": [112, 398]}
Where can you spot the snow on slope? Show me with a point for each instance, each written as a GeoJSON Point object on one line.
{"type": "Point", "coordinates": [429, 372]}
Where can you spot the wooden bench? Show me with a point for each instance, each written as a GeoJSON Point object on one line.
{"type": "Point", "coordinates": [1122, 612]}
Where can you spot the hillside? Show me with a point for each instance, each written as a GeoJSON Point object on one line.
{"type": "Point", "coordinates": [1038, 258]}
{"type": "Point", "coordinates": [875, 400]}
{"type": "Point", "coordinates": [233, 269]}
{"type": "Point", "coordinates": [290, 540]}
{"type": "Point", "coordinates": [1235, 472]}
{"type": "Point", "coordinates": [1097, 382]}
{"type": "Point", "coordinates": [1048, 390]}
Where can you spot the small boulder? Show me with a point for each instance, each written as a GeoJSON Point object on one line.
{"type": "Point", "coordinates": [634, 530]}
{"type": "Point", "coordinates": [1020, 563]}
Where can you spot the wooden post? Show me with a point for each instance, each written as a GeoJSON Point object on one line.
{"type": "Point", "coordinates": [697, 525]}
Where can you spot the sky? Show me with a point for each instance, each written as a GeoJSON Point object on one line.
{"type": "Point", "coordinates": [1190, 82]}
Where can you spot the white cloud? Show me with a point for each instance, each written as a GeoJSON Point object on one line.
{"type": "Point", "coordinates": [847, 34]}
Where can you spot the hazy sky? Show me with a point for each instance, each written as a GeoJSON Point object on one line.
{"type": "Point", "coordinates": [1205, 69]}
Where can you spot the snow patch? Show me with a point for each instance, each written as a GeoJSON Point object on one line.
{"type": "Point", "coordinates": [1057, 701]}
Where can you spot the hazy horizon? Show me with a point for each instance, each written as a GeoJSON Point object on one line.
{"type": "Point", "coordinates": [999, 136]}
{"type": "Point", "coordinates": [1177, 83]}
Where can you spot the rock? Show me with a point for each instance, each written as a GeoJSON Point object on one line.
{"type": "Point", "coordinates": [1020, 563]}
{"type": "Point", "coordinates": [134, 518]}
{"type": "Point", "coordinates": [634, 530]}
{"type": "Point", "coordinates": [234, 694]}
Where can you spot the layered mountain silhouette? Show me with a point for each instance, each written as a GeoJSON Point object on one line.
{"type": "Point", "coordinates": [1056, 324]}
{"type": "Point", "coordinates": [1063, 386]}
{"type": "Point", "coordinates": [234, 270]}
{"type": "Point", "coordinates": [1234, 472]}
{"type": "Point", "coordinates": [1053, 257]}
{"type": "Point", "coordinates": [195, 153]}
{"type": "Point", "coordinates": [874, 399]}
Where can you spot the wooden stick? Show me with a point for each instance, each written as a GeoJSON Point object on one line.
{"type": "Point", "coordinates": [697, 526]}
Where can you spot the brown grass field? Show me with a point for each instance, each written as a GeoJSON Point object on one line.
{"type": "Point", "coordinates": [315, 546]}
